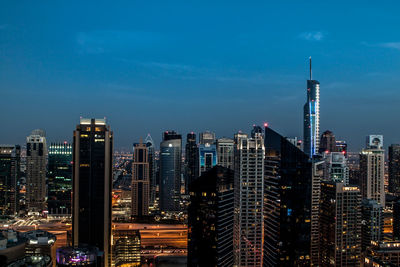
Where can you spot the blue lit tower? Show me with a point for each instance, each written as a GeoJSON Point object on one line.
{"type": "Point", "coordinates": [311, 117]}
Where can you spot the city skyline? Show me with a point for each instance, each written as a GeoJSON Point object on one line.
{"type": "Point", "coordinates": [249, 67]}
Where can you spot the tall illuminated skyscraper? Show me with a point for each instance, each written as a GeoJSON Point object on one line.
{"type": "Point", "coordinates": [249, 201]}
{"type": "Point", "coordinates": [207, 157]}
{"type": "Point", "coordinates": [311, 117]}
{"type": "Point", "coordinates": [170, 171]}
{"type": "Point", "coordinates": [92, 184]}
{"type": "Point", "coordinates": [225, 149]}
{"type": "Point", "coordinates": [60, 178]}
{"type": "Point", "coordinates": [140, 180]}
{"type": "Point", "coordinates": [152, 168]}
{"type": "Point", "coordinates": [372, 167]}
{"type": "Point", "coordinates": [207, 137]}
{"type": "Point", "coordinates": [36, 154]}
{"type": "Point", "coordinates": [10, 158]}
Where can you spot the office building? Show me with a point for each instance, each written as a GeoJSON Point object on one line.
{"type": "Point", "coordinates": [256, 131]}
{"type": "Point", "coordinates": [207, 157]}
{"type": "Point", "coordinates": [327, 143]}
{"type": "Point", "coordinates": [340, 225]}
{"type": "Point", "coordinates": [60, 179]}
{"type": "Point", "coordinates": [249, 201]}
{"type": "Point", "coordinates": [210, 219]}
{"type": "Point", "coordinates": [170, 171]}
{"type": "Point", "coordinates": [207, 137]}
{"type": "Point", "coordinates": [289, 188]}
{"type": "Point", "coordinates": [126, 248]}
{"type": "Point", "coordinates": [191, 160]}
{"type": "Point", "coordinates": [311, 117]}
{"type": "Point", "coordinates": [394, 169]}
{"type": "Point", "coordinates": [225, 152]}
{"type": "Point", "coordinates": [372, 222]}
{"type": "Point", "coordinates": [336, 169]}
{"type": "Point", "coordinates": [92, 185]}
{"type": "Point", "coordinates": [396, 220]}
{"type": "Point", "coordinates": [383, 254]}
{"type": "Point", "coordinates": [152, 168]}
{"type": "Point", "coordinates": [10, 159]}
{"type": "Point", "coordinates": [40, 242]}
{"type": "Point", "coordinates": [140, 181]}
{"type": "Point", "coordinates": [341, 146]}
{"type": "Point", "coordinates": [372, 170]}
{"type": "Point", "coordinates": [36, 159]}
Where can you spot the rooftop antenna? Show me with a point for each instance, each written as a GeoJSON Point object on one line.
{"type": "Point", "coordinates": [310, 70]}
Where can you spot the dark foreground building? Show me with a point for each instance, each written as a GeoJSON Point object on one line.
{"type": "Point", "coordinates": [92, 176]}
{"type": "Point", "coordinates": [288, 203]}
{"type": "Point", "coordinates": [210, 219]}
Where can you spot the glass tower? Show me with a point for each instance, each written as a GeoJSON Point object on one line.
{"type": "Point", "coordinates": [10, 157]}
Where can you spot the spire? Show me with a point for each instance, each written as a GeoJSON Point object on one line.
{"type": "Point", "coordinates": [310, 70]}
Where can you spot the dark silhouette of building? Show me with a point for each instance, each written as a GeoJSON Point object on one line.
{"type": "Point", "coordinates": [191, 159]}
{"type": "Point", "coordinates": [394, 169]}
{"type": "Point", "coordinates": [170, 171]}
{"type": "Point", "coordinates": [140, 181]}
{"type": "Point", "coordinates": [92, 178]}
{"type": "Point", "coordinates": [396, 220]}
{"type": "Point", "coordinates": [327, 143]}
{"type": "Point", "coordinates": [288, 203]}
{"type": "Point", "coordinates": [210, 219]}
{"type": "Point", "coordinates": [10, 159]}
{"type": "Point", "coordinates": [59, 178]}
{"type": "Point", "coordinates": [372, 222]}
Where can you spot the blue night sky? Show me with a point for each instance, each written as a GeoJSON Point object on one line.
{"type": "Point", "coordinates": [150, 66]}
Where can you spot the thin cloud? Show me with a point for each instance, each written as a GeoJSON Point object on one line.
{"type": "Point", "coordinates": [312, 36]}
{"type": "Point", "coordinates": [394, 45]}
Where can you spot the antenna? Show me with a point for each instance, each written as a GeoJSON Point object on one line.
{"type": "Point", "coordinates": [310, 70]}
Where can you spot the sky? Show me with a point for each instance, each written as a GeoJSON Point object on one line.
{"type": "Point", "coordinates": [151, 66]}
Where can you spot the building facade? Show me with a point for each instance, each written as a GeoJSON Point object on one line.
{"type": "Point", "coordinates": [207, 157]}
{"type": "Point", "coordinates": [170, 171]}
{"type": "Point", "coordinates": [372, 222]}
{"type": "Point", "coordinates": [225, 152]}
{"type": "Point", "coordinates": [36, 159]}
{"type": "Point", "coordinates": [210, 219]}
{"type": "Point", "coordinates": [394, 169]}
{"type": "Point", "coordinates": [92, 185]}
{"type": "Point", "coordinates": [249, 201]}
{"type": "Point", "coordinates": [140, 181]}
{"type": "Point", "coordinates": [191, 159]}
{"type": "Point", "coordinates": [60, 179]}
{"type": "Point", "coordinates": [152, 168]}
{"type": "Point", "coordinates": [10, 159]}
{"type": "Point", "coordinates": [327, 143]}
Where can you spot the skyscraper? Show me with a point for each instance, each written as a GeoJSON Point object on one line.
{"type": "Point", "coordinates": [36, 154]}
{"type": "Point", "coordinates": [372, 222]}
{"type": "Point", "coordinates": [191, 159]}
{"type": "Point", "coordinates": [289, 189]}
{"type": "Point", "coordinates": [60, 178]}
{"type": "Point", "coordinates": [10, 157]}
{"type": "Point", "coordinates": [336, 169]}
{"type": "Point", "coordinates": [207, 157]}
{"type": "Point", "coordinates": [249, 201]}
{"type": "Point", "coordinates": [140, 180]}
{"type": "Point", "coordinates": [170, 171]}
{"type": "Point", "coordinates": [340, 225]}
{"type": "Point", "coordinates": [207, 137]}
{"type": "Point", "coordinates": [257, 130]}
{"type": "Point", "coordinates": [372, 167]}
{"type": "Point", "coordinates": [152, 168]}
{"type": "Point", "coordinates": [311, 117]}
{"type": "Point", "coordinates": [225, 152]}
{"type": "Point", "coordinates": [394, 169]}
{"type": "Point", "coordinates": [327, 143]}
{"type": "Point", "coordinates": [210, 219]}
{"type": "Point", "coordinates": [92, 185]}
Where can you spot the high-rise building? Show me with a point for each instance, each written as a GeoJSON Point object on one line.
{"type": "Point", "coordinates": [340, 225]}
{"type": "Point", "coordinates": [225, 152]}
{"type": "Point", "coordinates": [36, 157]}
{"type": "Point", "coordinates": [126, 248]}
{"type": "Point", "coordinates": [207, 157]}
{"type": "Point", "coordinates": [207, 138]}
{"type": "Point", "coordinates": [396, 220]}
{"type": "Point", "coordinates": [372, 167]}
{"type": "Point", "coordinates": [336, 169]}
{"type": "Point", "coordinates": [170, 171]}
{"type": "Point", "coordinates": [210, 219]}
{"type": "Point", "coordinates": [327, 143]}
{"type": "Point", "coordinates": [311, 117]}
{"type": "Point", "coordinates": [191, 159]}
{"type": "Point", "coordinates": [60, 179]}
{"type": "Point", "coordinates": [372, 222]}
{"type": "Point", "coordinates": [384, 253]}
{"type": "Point", "coordinates": [152, 168]}
{"type": "Point", "coordinates": [92, 185]}
{"type": "Point", "coordinates": [394, 169]}
{"type": "Point", "coordinates": [10, 158]}
{"type": "Point", "coordinates": [249, 201]}
{"type": "Point", "coordinates": [140, 180]}
{"type": "Point", "coordinates": [341, 146]}
{"type": "Point", "coordinates": [256, 131]}
{"type": "Point", "coordinates": [289, 189]}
